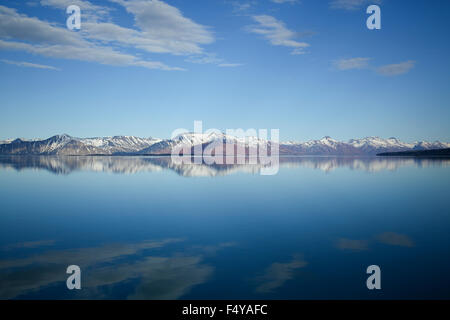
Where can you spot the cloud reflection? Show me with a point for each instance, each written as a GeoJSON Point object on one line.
{"type": "Point", "coordinates": [395, 239]}
{"type": "Point", "coordinates": [352, 245]}
{"type": "Point", "coordinates": [105, 269]}
{"type": "Point", "coordinates": [387, 238]}
{"type": "Point", "coordinates": [29, 244]}
{"type": "Point", "coordinates": [277, 274]}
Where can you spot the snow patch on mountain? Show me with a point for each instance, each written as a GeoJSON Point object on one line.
{"type": "Point", "coordinates": [119, 144]}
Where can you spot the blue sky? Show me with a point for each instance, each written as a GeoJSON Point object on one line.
{"type": "Point", "coordinates": [309, 68]}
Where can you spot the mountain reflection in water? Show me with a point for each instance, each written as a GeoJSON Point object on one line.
{"type": "Point", "coordinates": [130, 165]}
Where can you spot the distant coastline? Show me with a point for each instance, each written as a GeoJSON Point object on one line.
{"type": "Point", "coordinates": [422, 153]}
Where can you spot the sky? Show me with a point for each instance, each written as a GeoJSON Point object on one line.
{"type": "Point", "coordinates": [310, 68]}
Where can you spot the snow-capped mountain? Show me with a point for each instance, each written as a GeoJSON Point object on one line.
{"type": "Point", "coordinates": [190, 140]}
{"type": "Point", "coordinates": [324, 146]}
{"type": "Point", "coordinates": [185, 139]}
{"type": "Point", "coordinates": [6, 141]}
{"type": "Point", "coordinates": [67, 145]}
{"type": "Point", "coordinates": [365, 146]}
{"type": "Point", "coordinates": [23, 139]}
{"type": "Point", "coordinates": [120, 144]}
{"type": "Point", "coordinates": [125, 145]}
{"type": "Point", "coordinates": [424, 145]}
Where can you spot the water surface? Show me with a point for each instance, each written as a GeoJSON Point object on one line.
{"type": "Point", "coordinates": [145, 228]}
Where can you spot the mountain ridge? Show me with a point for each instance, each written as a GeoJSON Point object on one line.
{"type": "Point", "coordinates": [64, 144]}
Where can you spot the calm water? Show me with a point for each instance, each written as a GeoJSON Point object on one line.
{"type": "Point", "coordinates": [144, 228]}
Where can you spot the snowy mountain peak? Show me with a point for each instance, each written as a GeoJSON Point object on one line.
{"type": "Point", "coordinates": [64, 136]}
{"type": "Point", "coordinates": [328, 139]}
{"type": "Point", "coordinates": [193, 138]}
{"type": "Point", "coordinates": [61, 137]}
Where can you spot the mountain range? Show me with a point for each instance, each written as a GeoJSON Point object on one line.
{"type": "Point", "coordinates": [129, 145]}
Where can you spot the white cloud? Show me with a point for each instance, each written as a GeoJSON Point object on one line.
{"type": "Point", "coordinates": [363, 63]}
{"type": "Point", "coordinates": [102, 55]}
{"type": "Point", "coordinates": [158, 28]}
{"type": "Point", "coordinates": [230, 65]}
{"type": "Point", "coordinates": [352, 63]}
{"type": "Point", "coordinates": [32, 3]}
{"type": "Point", "coordinates": [276, 32]}
{"type": "Point", "coordinates": [206, 58]}
{"type": "Point", "coordinates": [396, 69]}
{"type": "Point", "coordinates": [210, 58]}
{"type": "Point", "coordinates": [112, 33]}
{"type": "Point", "coordinates": [240, 7]}
{"type": "Point", "coordinates": [165, 26]}
{"type": "Point", "coordinates": [161, 29]}
{"type": "Point", "coordinates": [90, 12]}
{"type": "Point", "coordinates": [29, 65]}
{"type": "Point", "coordinates": [63, 4]}
{"type": "Point", "coordinates": [284, 1]}
{"type": "Point", "coordinates": [351, 4]}
{"type": "Point", "coordinates": [298, 51]}
{"type": "Point", "coordinates": [20, 27]}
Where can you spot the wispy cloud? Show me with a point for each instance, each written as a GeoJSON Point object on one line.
{"type": "Point", "coordinates": [210, 58]}
{"type": "Point", "coordinates": [99, 54]}
{"type": "Point", "coordinates": [230, 65]}
{"type": "Point", "coordinates": [91, 12]}
{"type": "Point", "coordinates": [241, 7]}
{"type": "Point", "coordinates": [352, 63]}
{"type": "Point", "coordinates": [32, 3]}
{"type": "Point", "coordinates": [284, 1]}
{"type": "Point", "coordinates": [363, 63]}
{"type": "Point", "coordinates": [277, 33]}
{"type": "Point", "coordinates": [207, 58]}
{"type": "Point", "coordinates": [165, 29]}
{"type": "Point", "coordinates": [396, 69]}
{"type": "Point", "coordinates": [29, 65]}
{"type": "Point", "coordinates": [159, 28]}
{"type": "Point", "coordinates": [351, 4]}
